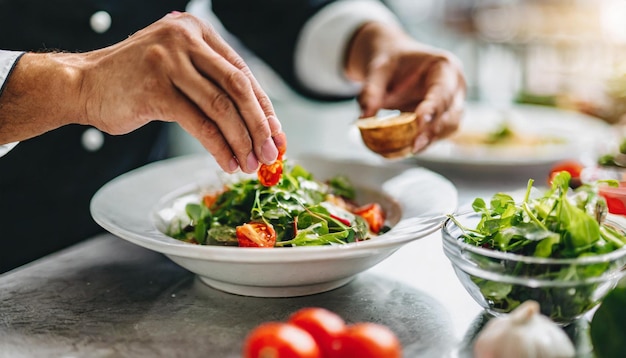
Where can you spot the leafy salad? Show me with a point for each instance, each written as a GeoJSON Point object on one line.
{"type": "Point", "coordinates": [296, 211]}
{"type": "Point", "coordinates": [556, 224]}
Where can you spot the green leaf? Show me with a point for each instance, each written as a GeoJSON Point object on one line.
{"type": "Point", "coordinates": [608, 325]}
{"type": "Point", "coordinates": [341, 185]}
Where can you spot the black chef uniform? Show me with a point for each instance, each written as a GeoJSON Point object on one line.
{"type": "Point", "coordinates": [46, 183]}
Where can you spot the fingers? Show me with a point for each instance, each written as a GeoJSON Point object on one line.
{"type": "Point", "coordinates": [217, 80]}
{"type": "Point", "coordinates": [374, 89]}
{"type": "Point", "coordinates": [214, 40]}
{"type": "Point", "coordinates": [207, 133]}
{"type": "Point", "coordinates": [440, 112]}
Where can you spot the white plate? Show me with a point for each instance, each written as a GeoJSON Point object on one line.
{"type": "Point", "coordinates": [129, 207]}
{"type": "Point", "coordinates": [580, 135]}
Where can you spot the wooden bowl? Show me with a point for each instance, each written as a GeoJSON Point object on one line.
{"type": "Point", "coordinates": [391, 137]}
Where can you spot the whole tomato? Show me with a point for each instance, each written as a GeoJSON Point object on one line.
{"type": "Point", "coordinates": [325, 326]}
{"type": "Point", "coordinates": [369, 340]}
{"type": "Point", "coordinates": [280, 340]}
{"type": "Point", "coordinates": [256, 234]}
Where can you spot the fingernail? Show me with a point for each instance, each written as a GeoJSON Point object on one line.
{"type": "Point", "coordinates": [268, 151]}
{"type": "Point", "coordinates": [275, 125]}
{"type": "Point", "coordinates": [253, 162]}
{"type": "Point", "coordinates": [174, 12]}
{"type": "Point", "coordinates": [427, 118]}
{"type": "Point", "coordinates": [420, 143]}
{"type": "Point", "coordinates": [233, 165]}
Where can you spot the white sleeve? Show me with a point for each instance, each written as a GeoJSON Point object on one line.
{"type": "Point", "coordinates": [319, 57]}
{"type": "Point", "coordinates": [7, 62]}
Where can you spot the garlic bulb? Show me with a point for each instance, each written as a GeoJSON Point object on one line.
{"type": "Point", "coordinates": [524, 333]}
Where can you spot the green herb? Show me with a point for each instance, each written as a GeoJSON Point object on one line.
{"type": "Point", "coordinates": [557, 224]}
{"type": "Point", "coordinates": [608, 325]}
{"type": "Point", "coordinates": [296, 207]}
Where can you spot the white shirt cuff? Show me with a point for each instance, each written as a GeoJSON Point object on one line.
{"type": "Point", "coordinates": [7, 61]}
{"type": "Point", "coordinates": [320, 51]}
{"type": "Point", "coordinates": [5, 148]}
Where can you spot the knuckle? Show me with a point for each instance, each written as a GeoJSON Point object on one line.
{"type": "Point", "coordinates": [155, 54]}
{"type": "Point", "coordinates": [221, 104]}
{"type": "Point", "coordinates": [209, 129]}
{"type": "Point", "coordinates": [266, 103]}
{"type": "Point", "coordinates": [237, 83]}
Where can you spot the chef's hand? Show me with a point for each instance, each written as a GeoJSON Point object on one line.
{"type": "Point", "coordinates": [399, 73]}
{"type": "Point", "coordinates": [177, 69]}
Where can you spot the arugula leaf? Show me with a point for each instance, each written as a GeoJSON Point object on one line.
{"type": "Point", "coordinates": [296, 207]}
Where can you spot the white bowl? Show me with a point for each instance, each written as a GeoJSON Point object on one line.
{"type": "Point", "coordinates": [131, 207]}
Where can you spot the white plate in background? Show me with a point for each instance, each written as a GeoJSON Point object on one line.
{"type": "Point", "coordinates": [581, 136]}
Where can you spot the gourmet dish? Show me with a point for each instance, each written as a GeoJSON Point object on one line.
{"type": "Point", "coordinates": [291, 209]}
{"type": "Point", "coordinates": [557, 248]}
{"type": "Point", "coordinates": [504, 135]}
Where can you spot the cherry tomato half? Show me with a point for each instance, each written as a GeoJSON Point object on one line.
{"type": "Point", "coordinates": [571, 166]}
{"type": "Point", "coordinates": [373, 214]}
{"type": "Point", "coordinates": [256, 234]}
{"type": "Point", "coordinates": [325, 326]}
{"type": "Point", "coordinates": [369, 340]}
{"type": "Point", "coordinates": [280, 340]}
{"type": "Point", "coordinates": [269, 175]}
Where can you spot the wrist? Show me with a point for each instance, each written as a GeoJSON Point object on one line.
{"type": "Point", "coordinates": [46, 88]}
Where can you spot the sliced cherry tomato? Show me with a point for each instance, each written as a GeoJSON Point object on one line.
{"type": "Point", "coordinates": [571, 166]}
{"type": "Point", "coordinates": [256, 234]}
{"type": "Point", "coordinates": [209, 199]}
{"type": "Point", "coordinates": [341, 220]}
{"type": "Point", "coordinates": [325, 326]}
{"type": "Point", "coordinates": [280, 340]}
{"type": "Point", "coordinates": [369, 340]}
{"type": "Point", "coordinates": [269, 175]}
{"type": "Point", "coordinates": [373, 214]}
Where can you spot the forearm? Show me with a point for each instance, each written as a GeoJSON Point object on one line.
{"type": "Point", "coordinates": [41, 94]}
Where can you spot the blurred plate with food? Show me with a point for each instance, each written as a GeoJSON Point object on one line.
{"type": "Point", "coordinates": [521, 137]}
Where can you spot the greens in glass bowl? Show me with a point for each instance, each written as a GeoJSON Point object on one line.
{"type": "Point", "coordinates": [559, 248]}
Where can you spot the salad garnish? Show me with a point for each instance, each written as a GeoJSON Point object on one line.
{"type": "Point", "coordinates": [556, 224]}
{"type": "Point", "coordinates": [295, 211]}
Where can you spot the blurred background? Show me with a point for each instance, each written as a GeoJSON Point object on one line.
{"type": "Point", "coordinates": [564, 54]}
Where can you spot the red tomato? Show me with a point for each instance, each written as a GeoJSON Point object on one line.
{"type": "Point", "coordinates": [369, 340]}
{"type": "Point", "coordinates": [615, 198]}
{"type": "Point", "coordinates": [280, 340]}
{"type": "Point", "coordinates": [256, 234]}
{"type": "Point", "coordinates": [209, 199]}
{"type": "Point", "coordinates": [325, 326]}
{"type": "Point", "coordinates": [269, 175]}
{"type": "Point", "coordinates": [373, 214]}
{"type": "Point", "coordinates": [571, 166]}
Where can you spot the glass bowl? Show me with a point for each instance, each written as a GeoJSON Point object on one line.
{"type": "Point", "coordinates": [566, 289]}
